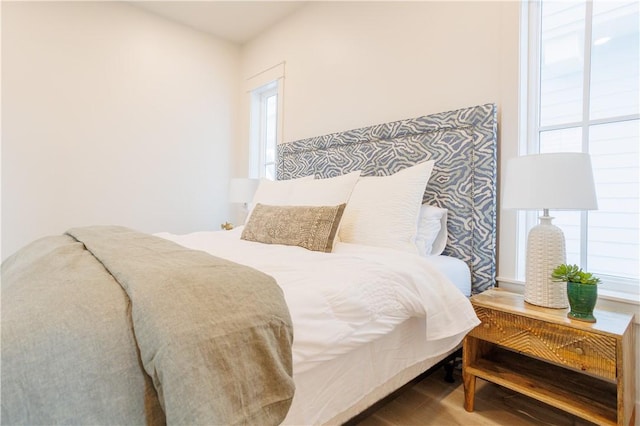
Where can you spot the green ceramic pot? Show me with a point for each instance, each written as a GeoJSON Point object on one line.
{"type": "Point", "coordinates": [582, 300]}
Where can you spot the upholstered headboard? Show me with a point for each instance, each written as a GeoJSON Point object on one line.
{"type": "Point", "coordinates": [463, 144]}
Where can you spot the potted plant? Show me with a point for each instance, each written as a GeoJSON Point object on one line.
{"type": "Point", "coordinates": [582, 290]}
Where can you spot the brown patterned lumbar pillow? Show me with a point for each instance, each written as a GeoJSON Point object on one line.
{"type": "Point", "coordinates": [311, 227]}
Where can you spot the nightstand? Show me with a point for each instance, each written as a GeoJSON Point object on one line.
{"type": "Point", "coordinates": [586, 369]}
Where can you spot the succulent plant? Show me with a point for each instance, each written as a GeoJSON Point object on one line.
{"type": "Point", "coordinates": [574, 274]}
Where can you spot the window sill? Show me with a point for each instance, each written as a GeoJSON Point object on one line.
{"type": "Point", "coordinates": [607, 300]}
{"type": "Point", "coordinates": [617, 296]}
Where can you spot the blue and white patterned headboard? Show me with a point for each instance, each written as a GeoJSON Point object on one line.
{"type": "Point", "coordinates": [463, 144]}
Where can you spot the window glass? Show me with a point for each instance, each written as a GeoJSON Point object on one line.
{"type": "Point", "coordinates": [561, 140]}
{"type": "Point", "coordinates": [613, 232]}
{"type": "Point", "coordinates": [271, 126]}
{"type": "Point", "coordinates": [264, 131]}
{"type": "Point", "coordinates": [614, 59]}
{"type": "Point", "coordinates": [561, 67]}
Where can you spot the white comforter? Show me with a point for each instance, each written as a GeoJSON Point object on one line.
{"type": "Point", "coordinates": [343, 299]}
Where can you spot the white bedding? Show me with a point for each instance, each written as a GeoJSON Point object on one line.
{"type": "Point", "coordinates": [339, 301]}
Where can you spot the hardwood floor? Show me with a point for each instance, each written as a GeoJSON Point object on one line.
{"type": "Point", "coordinates": [432, 401]}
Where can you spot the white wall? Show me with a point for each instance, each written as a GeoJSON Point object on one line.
{"type": "Point", "coordinates": [111, 115]}
{"type": "Point", "coordinates": [356, 64]}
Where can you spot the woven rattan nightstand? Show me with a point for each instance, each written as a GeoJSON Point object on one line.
{"type": "Point", "coordinates": [586, 369]}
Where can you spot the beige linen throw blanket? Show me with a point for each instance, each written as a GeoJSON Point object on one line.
{"type": "Point", "coordinates": [105, 325]}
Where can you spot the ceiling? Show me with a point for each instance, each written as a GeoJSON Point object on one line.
{"type": "Point", "coordinates": [235, 21]}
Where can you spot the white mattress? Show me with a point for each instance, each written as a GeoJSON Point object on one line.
{"type": "Point", "coordinates": [363, 317]}
{"type": "Point", "coordinates": [455, 269]}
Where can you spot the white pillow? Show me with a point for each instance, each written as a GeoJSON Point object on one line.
{"type": "Point", "coordinates": [431, 237]}
{"type": "Point", "coordinates": [274, 192]}
{"type": "Point", "coordinates": [383, 211]}
{"type": "Point", "coordinates": [323, 192]}
{"type": "Point", "coordinates": [305, 191]}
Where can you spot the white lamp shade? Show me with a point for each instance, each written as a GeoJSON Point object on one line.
{"type": "Point", "coordinates": [558, 181]}
{"type": "Point", "coordinates": [241, 190]}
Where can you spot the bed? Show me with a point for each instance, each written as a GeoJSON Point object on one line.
{"type": "Point", "coordinates": [338, 369]}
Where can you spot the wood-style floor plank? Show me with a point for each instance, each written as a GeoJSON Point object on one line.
{"type": "Point", "coordinates": [432, 401]}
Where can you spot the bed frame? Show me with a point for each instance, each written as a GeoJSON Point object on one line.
{"type": "Point", "coordinates": [463, 144]}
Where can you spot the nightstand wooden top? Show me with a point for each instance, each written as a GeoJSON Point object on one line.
{"type": "Point", "coordinates": [611, 323]}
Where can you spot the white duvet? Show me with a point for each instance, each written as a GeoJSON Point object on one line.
{"type": "Point", "coordinates": [343, 299]}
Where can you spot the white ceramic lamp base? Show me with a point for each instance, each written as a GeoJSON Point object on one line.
{"type": "Point", "coordinates": [545, 251]}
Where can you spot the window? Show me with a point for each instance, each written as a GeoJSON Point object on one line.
{"type": "Point", "coordinates": [584, 95]}
{"type": "Point", "coordinates": [264, 125]}
{"type": "Point", "coordinates": [266, 91]}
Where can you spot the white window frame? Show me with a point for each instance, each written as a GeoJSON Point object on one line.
{"type": "Point", "coordinates": [259, 88]}
{"type": "Point", "coordinates": [617, 287]}
{"type": "Point", "coordinates": [257, 152]}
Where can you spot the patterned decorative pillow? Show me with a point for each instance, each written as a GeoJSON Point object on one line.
{"type": "Point", "coordinates": [311, 227]}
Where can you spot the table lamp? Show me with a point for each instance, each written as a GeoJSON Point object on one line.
{"type": "Point", "coordinates": [241, 191]}
{"type": "Point", "coordinates": [557, 181]}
